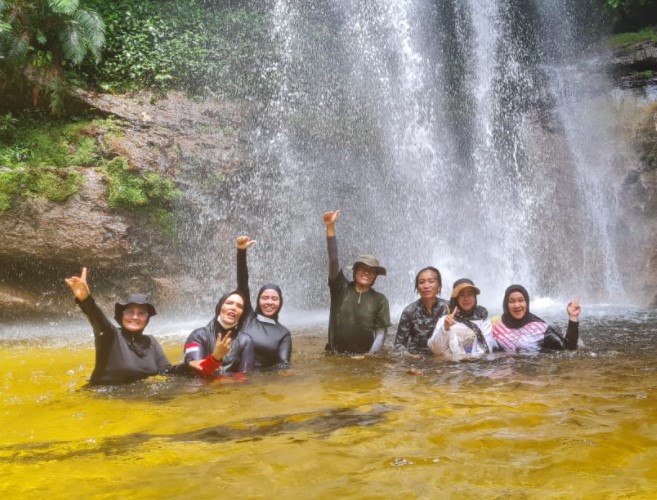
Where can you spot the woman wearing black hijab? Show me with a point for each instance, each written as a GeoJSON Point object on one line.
{"type": "Point", "coordinates": [220, 347]}
{"type": "Point", "coordinates": [123, 354]}
{"type": "Point", "coordinates": [521, 331]}
{"type": "Point", "coordinates": [272, 341]}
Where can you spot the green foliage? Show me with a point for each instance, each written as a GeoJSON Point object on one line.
{"type": "Point", "coordinates": [625, 4]}
{"type": "Point", "coordinates": [632, 15]}
{"type": "Point", "coordinates": [41, 39]}
{"type": "Point", "coordinates": [53, 143]}
{"type": "Point", "coordinates": [182, 44]}
{"type": "Point", "coordinates": [628, 39]}
{"type": "Point", "coordinates": [7, 126]}
{"type": "Point", "coordinates": [129, 189]}
{"type": "Point", "coordinates": [53, 184]}
{"type": "Point", "coordinates": [44, 159]}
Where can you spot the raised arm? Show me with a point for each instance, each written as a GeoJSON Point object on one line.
{"type": "Point", "coordinates": [79, 285]}
{"type": "Point", "coordinates": [243, 243]}
{"type": "Point", "coordinates": [572, 333]}
{"type": "Point", "coordinates": [329, 219]}
{"type": "Point", "coordinates": [80, 288]}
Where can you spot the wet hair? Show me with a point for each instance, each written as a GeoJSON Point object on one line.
{"type": "Point", "coordinates": [276, 288]}
{"type": "Point", "coordinates": [433, 270]}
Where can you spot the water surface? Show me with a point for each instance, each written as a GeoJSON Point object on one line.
{"type": "Point", "coordinates": [574, 425]}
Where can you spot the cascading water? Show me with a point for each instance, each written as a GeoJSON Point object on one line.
{"type": "Point", "coordinates": [449, 134]}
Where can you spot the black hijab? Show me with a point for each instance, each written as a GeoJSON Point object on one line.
{"type": "Point", "coordinates": [270, 286]}
{"type": "Point", "coordinates": [508, 320]}
{"type": "Point", "coordinates": [217, 309]}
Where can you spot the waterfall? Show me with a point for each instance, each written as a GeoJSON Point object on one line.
{"type": "Point", "coordinates": [459, 134]}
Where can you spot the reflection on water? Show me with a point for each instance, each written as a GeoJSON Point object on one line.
{"type": "Point", "coordinates": [580, 424]}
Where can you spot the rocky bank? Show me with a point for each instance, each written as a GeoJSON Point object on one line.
{"type": "Point", "coordinates": [42, 242]}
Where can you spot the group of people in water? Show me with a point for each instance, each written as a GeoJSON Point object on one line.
{"type": "Point", "coordinates": [240, 337]}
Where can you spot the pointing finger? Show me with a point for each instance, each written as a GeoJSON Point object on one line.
{"type": "Point", "coordinates": [83, 275]}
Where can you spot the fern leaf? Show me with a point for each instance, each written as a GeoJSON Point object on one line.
{"type": "Point", "coordinates": [67, 7]}
{"type": "Point", "coordinates": [72, 43]}
{"type": "Point", "coordinates": [55, 91]}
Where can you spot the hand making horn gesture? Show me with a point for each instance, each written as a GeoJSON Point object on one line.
{"type": "Point", "coordinates": [244, 242]}
{"type": "Point", "coordinates": [450, 319]}
{"type": "Point", "coordinates": [574, 309]}
{"type": "Point", "coordinates": [222, 347]}
{"type": "Point", "coordinates": [79, 285]}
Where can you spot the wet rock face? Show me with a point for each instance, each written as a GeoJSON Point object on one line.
{"type": "Point", "coordinates": [44, 242]}
{"type": "Point", "coordinates": [639, 200]}
{"type": "Point", "coordinates": [636, 66]}
{"type": "Point", "coordinates": [80, 230]}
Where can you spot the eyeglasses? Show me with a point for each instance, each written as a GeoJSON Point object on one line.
{"type": "Point", "coordinates": [129, 313]}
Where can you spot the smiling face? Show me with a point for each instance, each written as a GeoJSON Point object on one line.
{"type": "Point", "coordinates": [232, 309]}
{"type": "Point", "coordinates": [466, 299]}
{"type": "Point", "coordinates": [517, 305]}
{"type": "Point", "coordinates": [364, 276]}
{"type": "Point", "coordinates": [135, 318]}
{"type": "Point", "coordinates": [428, 284]}
{"type": "Point", "coordinates": [269, 302]}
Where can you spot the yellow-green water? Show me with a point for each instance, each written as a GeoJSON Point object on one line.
{"type": "Point", "coordinates": [580, 425]}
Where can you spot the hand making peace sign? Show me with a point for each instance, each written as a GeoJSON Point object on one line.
{"type": "Point", "coordinates": [450, 318]}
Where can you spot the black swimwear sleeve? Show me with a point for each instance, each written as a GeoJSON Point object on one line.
{"type": "Point", "coordinates": [243, 279]}
{"type": "Point", "coordinates": [285, 350]}
{"type": "Point", "coordinates": [102, 326]}
{"type": "Point", "coordinates": [334, 265]}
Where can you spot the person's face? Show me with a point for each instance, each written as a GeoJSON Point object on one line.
{"type": "Point", "coordinates": [232, 309]}
{"type": "Point", "coordinates": [364, 275]}
{"type": "Point", "coordinates": [269, 303]}
{"type": "Point", "coordinates": [466, 299]}
{"type": "Point", "coordinates": [428, 285]}
{"type": "Point", "coordinates": [517, 305]}
{"type": "Point", "coordinates": [135, 317]}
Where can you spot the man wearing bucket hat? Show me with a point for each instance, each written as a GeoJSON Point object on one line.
{"type": "Point", "coordinates": [465, 331]}
{"type": "Point", "coordinates": [123, 354]}
{"type": "Point", "coordinates": [360, 316]}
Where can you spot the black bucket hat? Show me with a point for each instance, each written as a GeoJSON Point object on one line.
{"type": "Point", "coordinates": [135, 298]}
